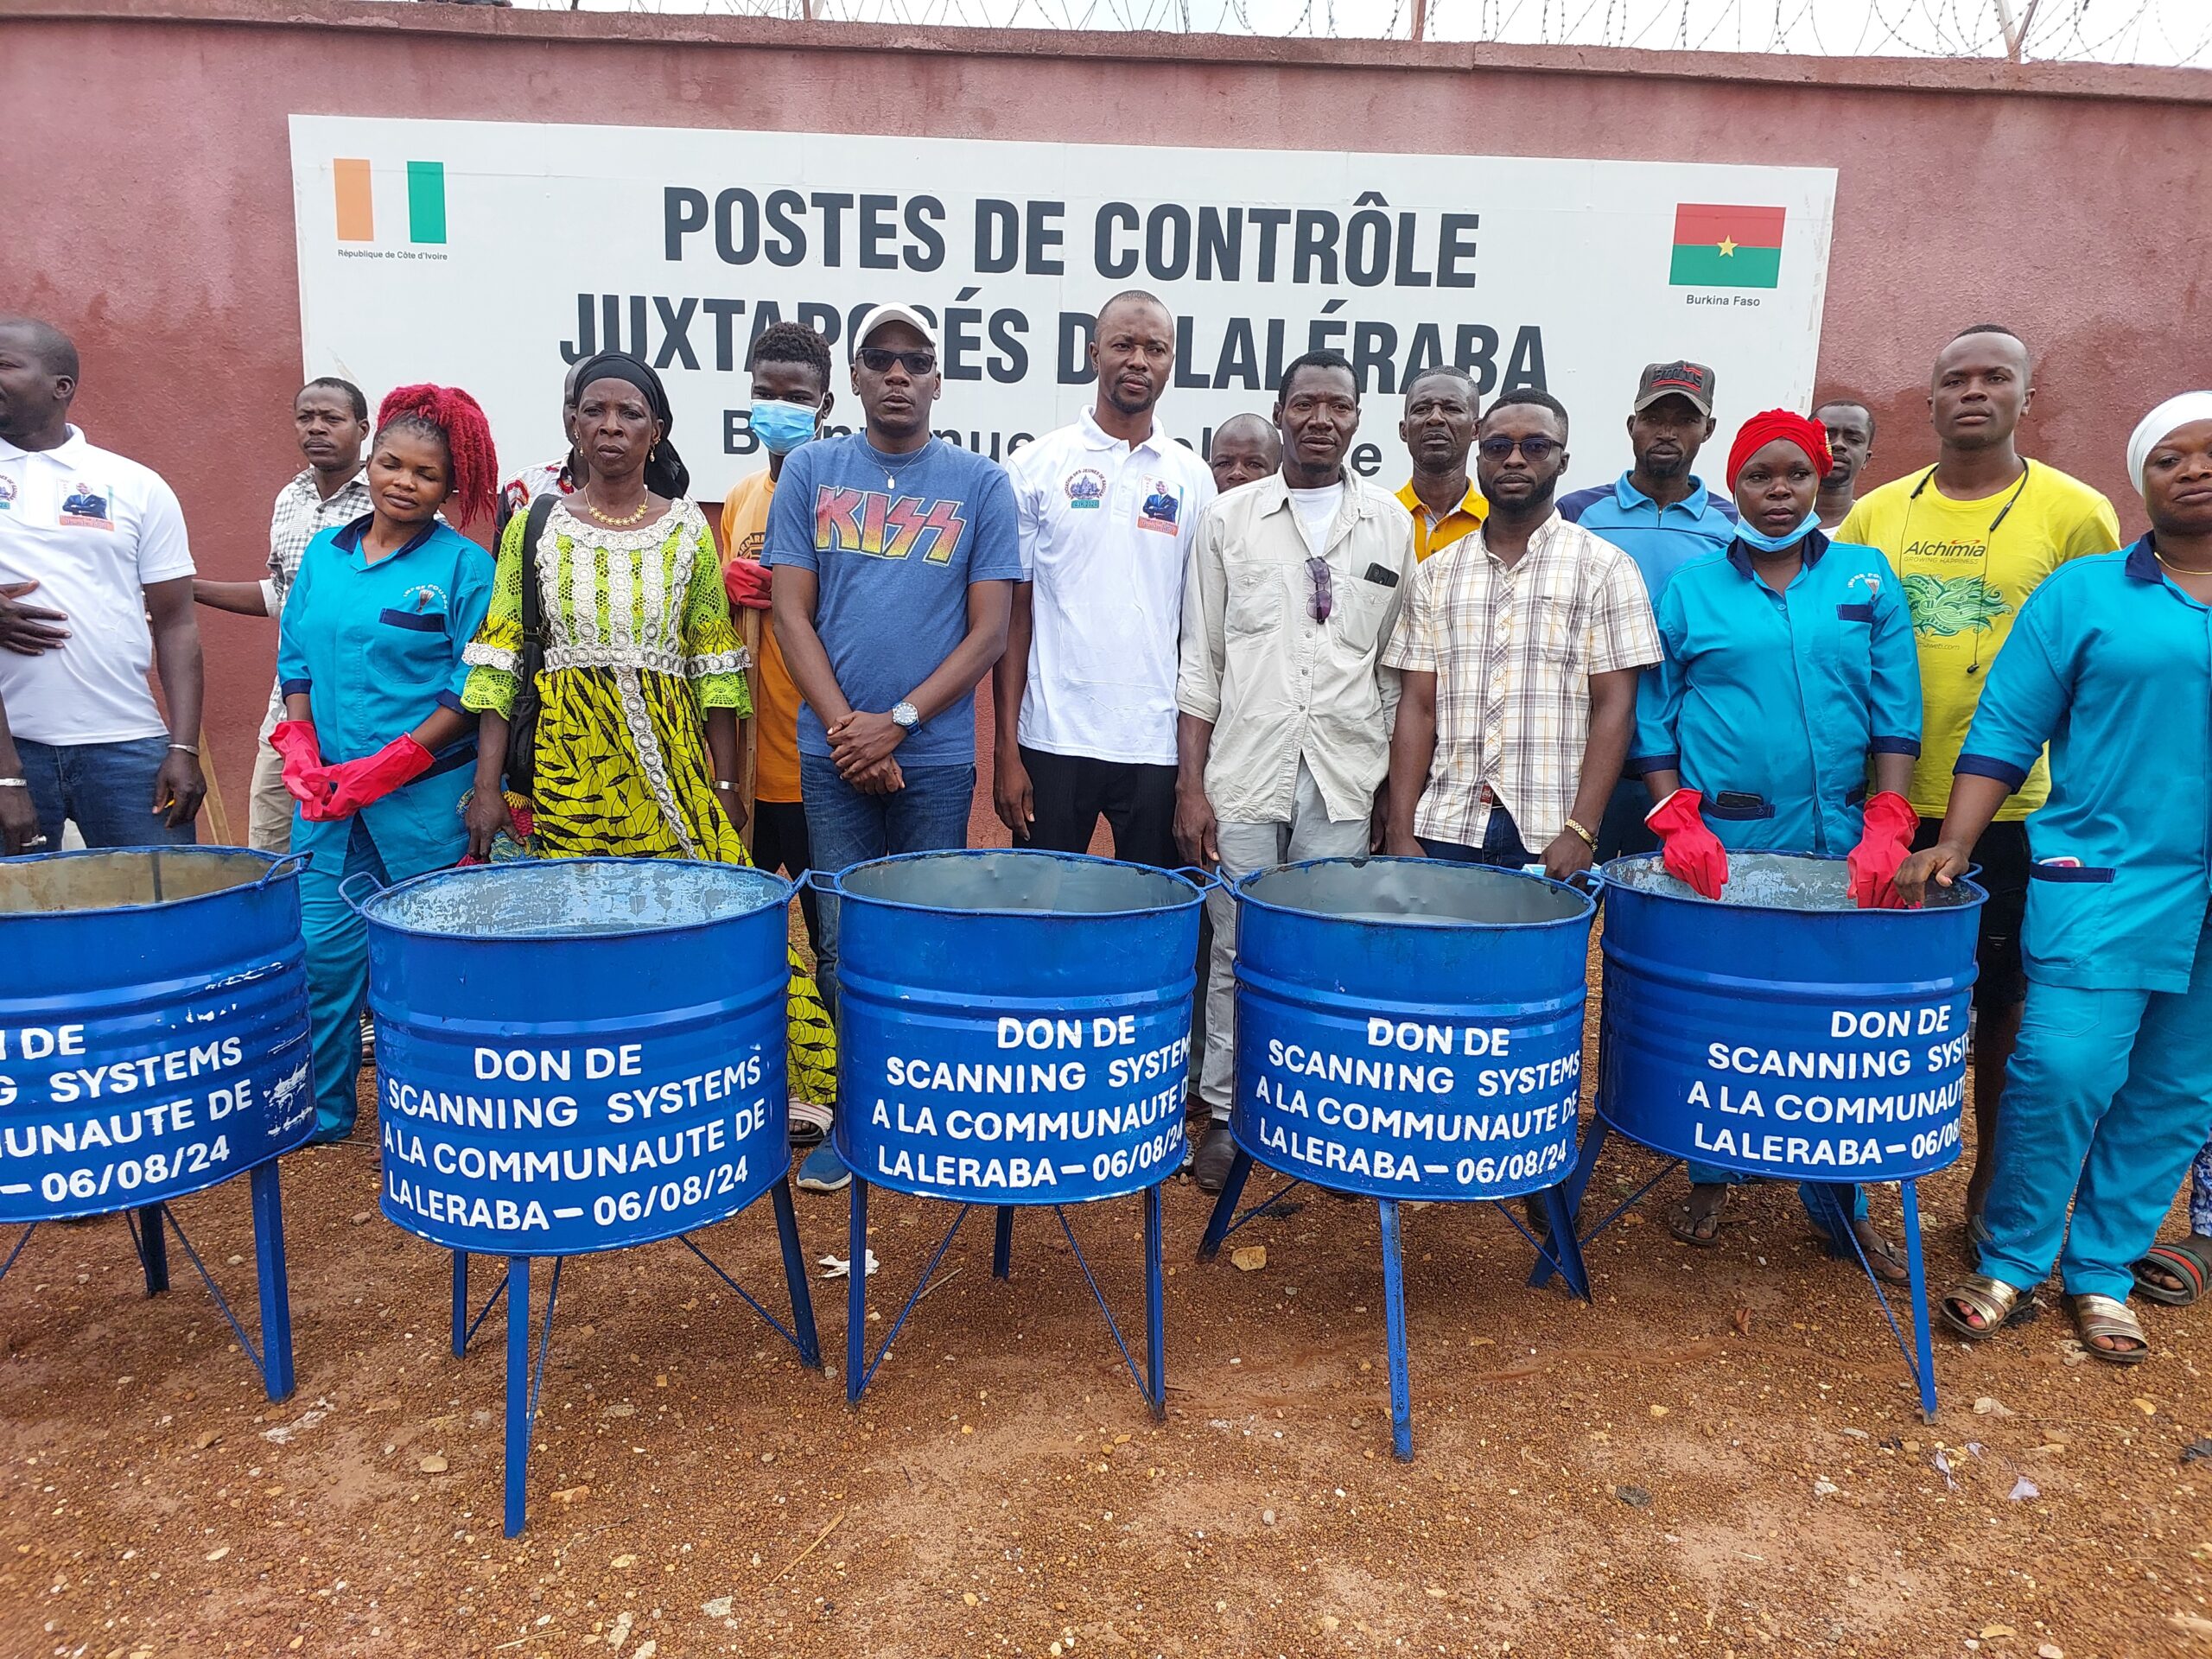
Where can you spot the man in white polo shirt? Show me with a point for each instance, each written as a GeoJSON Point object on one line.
{"type": "Point", "coordinates": [92, 547]}
{"type": "Point", "coordinates": [1084, 695]}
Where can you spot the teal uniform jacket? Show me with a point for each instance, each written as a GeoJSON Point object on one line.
{"type": "Point", "coordinates": [1768, 704]}
{"type": "Point", "coordinates": [375, 647]}
{"type": "Point", "coordinates": [2110, 664]}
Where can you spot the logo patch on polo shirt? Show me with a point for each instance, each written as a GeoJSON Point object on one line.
{"type": "Point", "coordinates": [424, 597]}
{"type": "Point", "coordinates": [1869, 580]}
{"type": "Point", "coordinates": [7, 494]}
{"type": "Point", "coordinates": [1162, 509]}
{"type": "Point", "coordinates": [1086, 488]}
{"type": "Point", "coordinates": [86, 508]}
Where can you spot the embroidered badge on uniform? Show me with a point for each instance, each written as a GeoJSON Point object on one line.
{"type": "Point", "coordinates": [7, 494]}
{"type": "Point", "coordinates": [425, 596]}
{"type": "Point", "coordinates": [86, 508]}
{"type": "Point", "coordinates": [1086, 488]}
{"type": "Point", "coordinates": [1162, 509]}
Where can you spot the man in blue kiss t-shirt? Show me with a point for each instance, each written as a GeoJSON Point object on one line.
{"type": "Point", "coordinates": [895, 558]}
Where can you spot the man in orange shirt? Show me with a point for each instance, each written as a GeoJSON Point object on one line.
{"type": "Point", "coordinates": [791, 400]}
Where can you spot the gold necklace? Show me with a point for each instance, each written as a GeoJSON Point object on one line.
{"type": "Point", "coordinates": [626, 520]}
{"type": "Point", "coordinates": [2185, 569]}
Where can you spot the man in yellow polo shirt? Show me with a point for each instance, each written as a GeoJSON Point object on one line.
{"type": "Point", "coordinates": [1970, 538]}
{"type": "Point", "coordinates": [1439, 429]}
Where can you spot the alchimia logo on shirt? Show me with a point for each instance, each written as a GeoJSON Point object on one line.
{"type": "Point", "coordinates": [884, 526]}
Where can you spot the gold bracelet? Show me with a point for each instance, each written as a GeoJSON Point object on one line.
{"type": "Point", "coordinates": [1591, 839]}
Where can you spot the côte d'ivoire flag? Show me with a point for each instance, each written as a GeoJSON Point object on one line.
{"type": "Point", "coordinates": [1726, 247]}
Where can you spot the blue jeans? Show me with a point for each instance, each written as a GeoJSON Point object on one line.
{"type": "Point", "coordinates": [848, 828]}
{"type": "Point", "coordinates": [105, 789]}
{"type": "Point", "coordinates": [1501, 848]}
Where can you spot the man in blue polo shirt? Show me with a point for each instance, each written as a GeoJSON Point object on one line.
{"type": "Point", "coordinates": [1659, 514]}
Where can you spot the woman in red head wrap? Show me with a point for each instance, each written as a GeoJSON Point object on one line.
{"type": "Point", "coordinates": [1784, 718]}
{"type": "Point", "coordinates": [376, 745]}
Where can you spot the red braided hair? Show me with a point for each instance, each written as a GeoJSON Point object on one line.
{"type": "Point", "coordinates": [454, 417]}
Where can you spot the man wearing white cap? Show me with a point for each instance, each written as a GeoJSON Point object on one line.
{"type": "Point", "coordinates": [2109, 1093]}
{"type": "Point", "coordinates": [894, 556]}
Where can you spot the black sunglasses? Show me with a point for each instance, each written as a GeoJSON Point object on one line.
{"type": "Point", "coordinates": [1534, 448]}
{"type": "Point", "coordinates": [878, 360]}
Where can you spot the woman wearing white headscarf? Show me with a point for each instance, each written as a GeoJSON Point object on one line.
{"type": "Point", "coordinates": [2109, 663]}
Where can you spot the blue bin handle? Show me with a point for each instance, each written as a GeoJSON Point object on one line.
{"type": "Point", "coordinates": [290, 864]}
{"type": "Point", "coordinates": [821, 882]}
{"type": "Point", "coordinates": [1594, 878]}
{"type": "Point", "coordinates": [358, 876]}
{"type": "Point", "coordinates": [1204, 880]}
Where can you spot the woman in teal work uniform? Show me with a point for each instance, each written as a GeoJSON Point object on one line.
{"type": "Point", "coordinates": [1789, 674]}
{"type": "Point", "coordinates": [2109, 1093]}
{"type": "Point", "coordinates": [377, 750]}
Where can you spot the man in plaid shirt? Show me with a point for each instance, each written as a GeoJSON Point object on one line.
{"type": "Point", "coordinates": [1518, 650]}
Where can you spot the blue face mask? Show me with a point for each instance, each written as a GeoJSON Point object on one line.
{"type": "Point", "coordinates": [782, 426]}
{"type": "Point", "coordinates": [1782, 543]}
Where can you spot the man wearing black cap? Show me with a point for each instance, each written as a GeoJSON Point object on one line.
{"type": "Point", "coordinates": [1659, 514]}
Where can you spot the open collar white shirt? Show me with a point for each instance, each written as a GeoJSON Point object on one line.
{"type": "Point", "coordinates": [1280, 686]}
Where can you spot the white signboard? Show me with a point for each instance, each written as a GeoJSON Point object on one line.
{"type": "Point", "coordinates": [490, 255]}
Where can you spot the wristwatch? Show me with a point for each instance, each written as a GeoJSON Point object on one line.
{"type": "Point", "coordinates": [904, 715]}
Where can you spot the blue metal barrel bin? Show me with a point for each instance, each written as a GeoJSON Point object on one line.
{"type": "Point", "coordinates": [1783, 1033]}
{"type": "Point", "coordinates": [1014, 1028]}
{"type": "Point", "coordinates": [578, 1055]}
{"type": "Point", "coordinates": [1408, 1029]}
{"type": "Point", "coordinates": [154, 1042]}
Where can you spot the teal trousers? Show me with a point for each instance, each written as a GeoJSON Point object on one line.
{"type": "Point", "coordinates": [2108, 1099]}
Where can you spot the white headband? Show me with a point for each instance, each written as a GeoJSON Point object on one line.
{"type": "Point", "coordinates": [2168, 417]}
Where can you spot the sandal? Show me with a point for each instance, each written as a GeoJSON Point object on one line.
{"type": "Point", "coordinates": [2107, 1316]}
{"type": "Point", "coordinates": [2176, 1274]}
{"type": "Point", "coordinates": [810, 1124]}
{"type": "Point", "coordinates": [1997, 1305]}
{"type": "Point", "coordinates": [1881, 1256]}
{"type": "Point", "coordinates": [1700, 1228]}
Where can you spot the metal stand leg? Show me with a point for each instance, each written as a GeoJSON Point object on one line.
{"type": "Point", "coordinates": [1224, 1207]}
{"type": "Point", "coordinates": [153, 1250]}
{"type": "Point", "coordinates": [857, 1298]}
{"type": "Point", "coordinates": [1393, 1321]}
{"type": "Point", "coordinates": [1923, 1349]}
{"type": "Point", "coordinates": [1002, 1244]}
{"type": "Point", "coordinates": [517, 1390]}
{"type": "Point", "coordinates": [1577, 1183]}
{"type": "Point", "coordinates": [1155, 1307]}
{"type": "Point", "coordinates": [810, 1343]}
{"type": "Point", "coordinates": [276, 1285]}
{"type": "Point", "coordinates": [460, 1303]}
{"type": "Point", "coordinates": [1563, 1247]}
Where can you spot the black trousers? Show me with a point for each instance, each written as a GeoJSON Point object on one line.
{"type": "Point", "coordinates": [779, 843]}
{"type": "Point", "coordinates": [1072, 792]}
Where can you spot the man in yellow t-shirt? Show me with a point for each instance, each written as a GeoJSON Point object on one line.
{"type": "Point", "coordinates": [791, 399]}
{"type": "Point", "coordinates": [1970, 538]}
{"type": "Point", "coordinates": [1439, 429]}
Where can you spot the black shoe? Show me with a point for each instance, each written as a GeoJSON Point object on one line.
{"type": "Point", "coordinates": [1209, 1168]}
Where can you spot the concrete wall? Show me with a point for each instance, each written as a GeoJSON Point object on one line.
{"type": "Point", "coordinates": [146, 192]}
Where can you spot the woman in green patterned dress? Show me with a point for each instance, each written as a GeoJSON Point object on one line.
{"type": "Point", "coordinates": [643, 682]}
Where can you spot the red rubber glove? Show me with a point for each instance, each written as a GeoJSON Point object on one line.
{"type": "Point", "coordinates": [359, 782]}
{"type": "Point", "coordinates": [749, 583]}
{"type": "Point", "coordinates": [1885, 843]}
{"type": "Point", "coordinates": [1691, 852]}
{"type": "Point", "coordinates": [305, 775]}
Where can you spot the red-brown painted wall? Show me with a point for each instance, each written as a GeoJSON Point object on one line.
{"type": "Point", "coordinates": [145, 197]}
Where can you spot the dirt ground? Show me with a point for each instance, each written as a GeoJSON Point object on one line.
{"type": "Point", "coordinates": [1721, 1456]}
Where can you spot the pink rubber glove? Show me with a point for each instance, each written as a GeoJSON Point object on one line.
{"type": "Point", "coordinates": [1690, 852]}
{"type": "Point", "coordinates": [749, 583]}
{"type": "Point", "coordinates": [1885, 843]}
{"type": "Point", "coordinates": [372, 778]}
{"type": "Point", "coordinates": [305, 775]}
